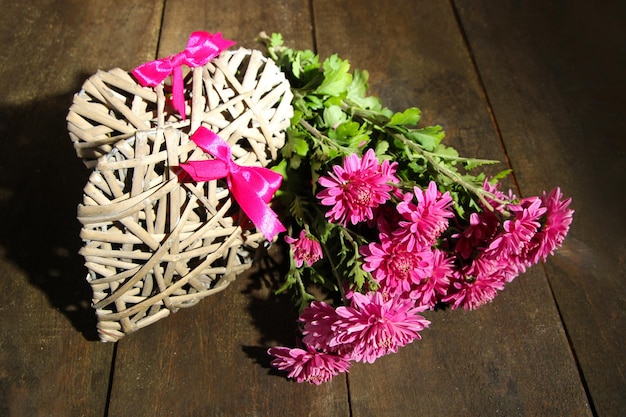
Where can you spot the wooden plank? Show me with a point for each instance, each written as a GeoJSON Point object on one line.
{"type": "Point", "coordinates": [239, 20]}
{"type": "Point", "coordinates": [510, 357]}
{"type": "Point", "coordinates": [211, 359]}
{"type": "Point", "coordinates": [554, 76]}
{"type": "Point", "coordinates": [49, 362]}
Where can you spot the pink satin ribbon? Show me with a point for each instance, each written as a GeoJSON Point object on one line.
{"type": "Point", "coordinates": [252, 187]}
{"type": "Point", "coordinates": [201, 48]}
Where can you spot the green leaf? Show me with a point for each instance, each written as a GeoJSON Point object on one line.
{"type": "Point", "coordinates": [297, 208]}
{"type": "Point", "coordinates": [357, 91]}
{"type": "Point", "coordinates": [429, 137]}
{"type": "Point", "coordinates": [313, 103]}
{"type": "Point", "coordinates": [294, 162]}
{"type": "Point", "coordinates": [280, 168]}
{"type": "Point", "coordinates": [336, 77]}
{"type": "Point", "coordinates": [333, 116]}
{"type": "Point", "coordinates": [297, 116]}
{"type": "Point", "coordinates": [446, 152]}
{"type": "Point", "coordinates": [300, 146]}
{"type": "Point", "coordinates": [350, 136]}
{"type": "Point", "coordinates": [416, 167]}
{"type": "Point", "coordinates": [500, 175]}
{"type": "Point", "coordinates": [296, 144]}
{"type": "Point", "coordinates": [452, 156]}
{"type": "Point", "coordinates": [409, 117]}
{"type": "Point", "coordinates": [276, 39]}
{"type": "Point", "coordinates": [322, 227]}
{"type": "Point", "coordinates": [291, 278]}
{"type": "Point", "coordinates": [471, 163]}
{"type": "Point", "coordinates": [346, 130]}
{"type": "Point", "coordinates": [295, 66]}
{"type": "Point", "coordinates": [381, 147]}
{"type": "Point", "coordinates": [358, 87]}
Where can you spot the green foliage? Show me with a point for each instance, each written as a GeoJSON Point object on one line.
{"type": "Point", "coordinates": [337, 77]}
{"type": "Point", "coordinates": [428, 137]}
{"type": "Point", "coordinates": [409, 117]}
{"type": "Point", "coordinates": [357, 92]}
{"type": "Point", "coordinates": [334, 116]}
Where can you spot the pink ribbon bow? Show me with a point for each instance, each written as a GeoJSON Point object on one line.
{"type": "Point", "coordinates": [252, 187]}
{"type": "Point", "coordinates": [201, 48]}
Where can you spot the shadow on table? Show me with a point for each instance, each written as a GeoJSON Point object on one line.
{"type": "Point", "coordinates": [273, 315]}
{"type": "Point", "coordinates": [41, 183]}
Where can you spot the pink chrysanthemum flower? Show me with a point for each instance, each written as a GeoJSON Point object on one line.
{"type": "Point", "coordinates": [318, 320]}
{"type": "Point", "coordinates": [501, 199]}
{"type": "Point", "coordinates": [425, 221]}
{"type": "Point", "coordinates": [558, 219]}
{"type": "Point", "coordinates": [354, 190]}
{"type": "Point", "coordinates": [395, 267]}
{"type": "Point", "coordinates": [481, 230]}
{"type": "Point", "coordinates": [375, 327]}
{"type": "Point", "coordinates": [472, 294]}
{"type": "Point", "coordinates": [308, 365]}
{"type": "Point", "coordinates": [478, 283]}
{"type": "Point", "coordinates": [386, 218]}
{"type": "Point", "coordinates": [305, 249]}
{"type": "Point", "coordinates": [517, 232]}
{"type": "Point", "coordinates": [430, 290]}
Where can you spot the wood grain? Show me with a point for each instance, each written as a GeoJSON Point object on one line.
{"type": "Point", "coordinates": [211, 361]}
{"type": "Point", "coordinates": [240, 20]}
{"type": "Point", "coordinates": [49, 363]}
{"type": "Point", "coordinates": [554, 77]}
{"type": "Point", "coordinates": [512, 356]}
{"type": "Point", "coordinates": [538, 85]}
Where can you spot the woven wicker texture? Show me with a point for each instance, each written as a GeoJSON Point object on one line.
{"type": "Point", "coordinates": [154, 244]}
{"type": "Point", "coordinates": [240, 94]}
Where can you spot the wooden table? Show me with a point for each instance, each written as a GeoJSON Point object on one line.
{"type": "Point", "coordinates": [538, 85]}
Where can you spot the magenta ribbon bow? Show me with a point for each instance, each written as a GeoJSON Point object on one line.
{"type": "Point", "coordinates": [201, 48]}
{"type": "Point", "coordinates": [252, 187]}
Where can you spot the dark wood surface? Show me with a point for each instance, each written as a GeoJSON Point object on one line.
{"type": "Point", "coordinates": [538, 85]}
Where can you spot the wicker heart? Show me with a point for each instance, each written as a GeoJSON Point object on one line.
{"type": "Point", "coordinates": [154, 244]}
{"type": "Point", "coordinates": [240, 94]}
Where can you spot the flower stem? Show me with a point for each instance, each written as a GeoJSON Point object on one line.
{"type": "Point", "coordinates": [333, 268]}
{"type": "Point", "coordinates": [371, 117]}
{"type": "Point", "coordinates": [454, 176]}
{"type": "Point", "coordinates": [323, 138]}
{"type": "Point", "coordinates": [305, 295]}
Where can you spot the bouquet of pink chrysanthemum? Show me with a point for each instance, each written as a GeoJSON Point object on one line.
{"type": "Point", "coordinates": [385, 221]}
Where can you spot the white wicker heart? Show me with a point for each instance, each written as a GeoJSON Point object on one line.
{"type": "Point", "coordinates": [152, 243]}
